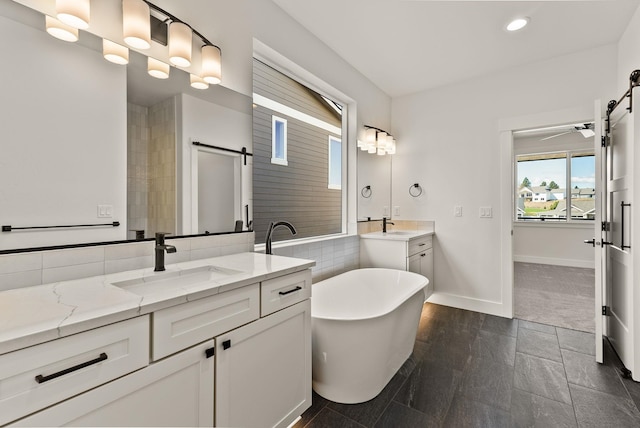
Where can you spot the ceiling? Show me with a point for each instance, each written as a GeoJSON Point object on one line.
{"type": "Point", "coordinates": [407, 46]}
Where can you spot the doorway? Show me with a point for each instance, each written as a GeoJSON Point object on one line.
{"type": "Point", "coordinates": [554, 213]}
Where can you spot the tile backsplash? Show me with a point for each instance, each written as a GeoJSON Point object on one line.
{"type": "Point", "coordinates": [42, 267]}
{"type": "Point", "coordinates": [332, 256]}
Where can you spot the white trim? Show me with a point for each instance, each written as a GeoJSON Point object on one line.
{"type": "Point", "coordinates": [276, 160]}
{"type": "Point", "coordinates": [469, 303]}
{"type": "Point", "coordinates": [590, 264]}
{"type": "Point", "coordinates": [329, 185]}
{"type": "Point", "coordinates": [295, 114]}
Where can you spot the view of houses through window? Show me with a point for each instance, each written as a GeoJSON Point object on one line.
{"type": "Point", "coordinates": [557, 186]}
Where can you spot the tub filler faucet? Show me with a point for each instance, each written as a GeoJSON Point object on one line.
{"type": "Point", "coordinates": [272, 226]}
{"type": "Point", "coordinates": [384, 224]}
{"type": "Point", "coordinates": [160, 248]}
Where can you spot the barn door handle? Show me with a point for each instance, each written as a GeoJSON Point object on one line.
{"type": "Point", "coordinates": [622, 205]}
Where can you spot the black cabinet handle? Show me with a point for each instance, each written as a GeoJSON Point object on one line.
{"type": "Point", "coordinates": [590, 241]}
{"type": "Point", "coordinates": [43, 379]}
{"type": "Point", "coordinates": [422, 245]}
{"type": "Point", "coordinates": [293, 290]}
{"type": "Point", "coordinates": [210, 352]}
{"type": "Point", "coordinates": [423, 254]}
{"type": "Point", "coordinates": [226, 344]}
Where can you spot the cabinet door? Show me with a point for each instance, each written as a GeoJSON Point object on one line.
{"type": "Point", "coordinates": [263, 370]}
{"type": "Point", "coordinates": [177, 391]}
{"type": "Point", "coordinates": [422, 263]}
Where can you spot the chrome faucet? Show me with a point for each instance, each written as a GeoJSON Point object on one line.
{"type": "Point", "coordinates": [160, 248]}
{"type": "Point", "coordinates": [384, 224]}
{"type": "Point", "coordinates": [272, 226]}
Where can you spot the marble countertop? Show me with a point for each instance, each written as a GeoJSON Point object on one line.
{"type": "Point", "coordinates": [397, 235]}
{"type": "Point", "coordinates": [37, 314]}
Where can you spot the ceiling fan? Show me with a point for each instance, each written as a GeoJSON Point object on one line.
{"type": "Point", "coordinates": [586, 129]}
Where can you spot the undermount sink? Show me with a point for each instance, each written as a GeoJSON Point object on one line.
{"type": "Point", "coordinates": [166, 281]}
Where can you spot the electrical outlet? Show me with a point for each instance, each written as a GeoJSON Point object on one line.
{"type": "Point", "coordinates": [457, 211]}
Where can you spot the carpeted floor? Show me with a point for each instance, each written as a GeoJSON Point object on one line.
{"type": "Point", "coordinates": [556, 295]}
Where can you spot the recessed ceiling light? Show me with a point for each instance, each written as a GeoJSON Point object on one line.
{"type": "Point", "coordinates": [517, 24]}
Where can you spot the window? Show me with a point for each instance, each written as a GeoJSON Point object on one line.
{"type": "Point", "coordinates": [542, 193]}
{"type": "Point", "coordinates": [296, 126]}
{"type": "Point", "coordinates": [278, 141]}
{"type": "Point", "coordinates": [335, 163]}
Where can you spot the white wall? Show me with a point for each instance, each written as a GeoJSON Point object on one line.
{"type": "Point", "coordinates": [64, 139]}
{"type": "Point", "coordinates": [448, 141]}
{"type": "Point", "coordinates": [628, 55]}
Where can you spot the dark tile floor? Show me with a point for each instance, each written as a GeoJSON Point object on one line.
{"type": "Point", "coordinates": [474, 370]}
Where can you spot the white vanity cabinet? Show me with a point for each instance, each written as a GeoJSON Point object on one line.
{"type": "Point", "coordinates": [177, 391]}
{"type": "Point", "coordinates": [404, 250]}
{"type": "Point", "coordinates": [39, 376]}
{"type": "Point", "coordinates": [263, 370]}
{"type": "Point", "coordinates": [213, 361]}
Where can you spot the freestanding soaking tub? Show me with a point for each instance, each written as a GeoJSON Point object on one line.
{"type": "Point", "coordinates": [364, 324]}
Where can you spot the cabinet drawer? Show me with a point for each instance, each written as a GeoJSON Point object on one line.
{"type": "Point", "coordinates": [278, 293]}
{"type": "Point", "coordinates": [419, 244]}
{"type": "Point", "coordinates": [36, 377]}
{"type": "Point", "coordinates": [182, 326]}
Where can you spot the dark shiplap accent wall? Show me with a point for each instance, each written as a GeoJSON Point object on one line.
{"type": "Point", "coordinates": [297, 192]}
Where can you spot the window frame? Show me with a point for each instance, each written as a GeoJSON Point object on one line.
{"type": "Point", "coordinates": [567, 155]}
{"type": "Point", "coordinates": [329, 164]}
{"type": "Point", "coordinates": [276, 160]}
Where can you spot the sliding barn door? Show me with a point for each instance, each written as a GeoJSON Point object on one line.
{"type": "Point", "coordinates": [621, 300]}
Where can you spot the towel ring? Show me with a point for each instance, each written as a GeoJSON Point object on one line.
{"type": "Point", "coordinates": [366, 192]}
{"type": "Point", "coordinates": [415, 193]}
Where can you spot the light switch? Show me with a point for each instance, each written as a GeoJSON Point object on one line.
{"type": "Point", "coordinates": [486, 212]}
{"type": "Point", "coordinates": [396, 210]}
{"type": "Point", "coordinates": [105, 211]}
{"type": "Point", "coordinates": [457, 211]}
{"type": "Point", "coordinates": [385, 211]}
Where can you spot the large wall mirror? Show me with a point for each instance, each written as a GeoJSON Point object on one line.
{"type": "Point", "coordinates": [374, 186]}
{"type": "Point", "coordinates": [85, 141]}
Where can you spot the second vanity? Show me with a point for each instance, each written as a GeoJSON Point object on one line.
{"type": "Point", "coordinates": [410, 250]}
{"type": "Point", "coordinates": [224, 341]}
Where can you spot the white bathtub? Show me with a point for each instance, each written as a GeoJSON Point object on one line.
{"type": "Point", "coordinates": [364, 324]}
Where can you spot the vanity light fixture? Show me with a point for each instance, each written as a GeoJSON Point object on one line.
{"type": "Point", "coordinates": [157, 69]}
{"type": "Point", "coordinates": [136, 23]}
{"type": "Point", "coordinates": [517, 24]}
{"type": "Point", "coordinates": [197, 82]}
{"type": "Point", "coordinates": [74, 12]}
{"type": "Point", "coordinates": [143, 21]}
{"type": "Point", "coordinates": [180, 44]}
{"type": "Point", "coordinates": [114, 52]}
{"type": "Point", "coordinates": [377, 141]}
{"type": "Point", "coordinates": [60, 30]}
{"type": "Point", "coordinates": [211, 69]}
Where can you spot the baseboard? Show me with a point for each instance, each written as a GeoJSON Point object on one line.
{"type": "Point", "coordinates": [468, 303]}
{"type": "Point", "coordinates": [554, 261]}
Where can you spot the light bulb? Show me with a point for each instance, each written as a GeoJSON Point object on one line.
{"type": "Point", "coordinates": [114, 52]}
{"type": "Point", "coordinates": [180, 44]}
{"type": "Point", "coordinates": [211, 66]}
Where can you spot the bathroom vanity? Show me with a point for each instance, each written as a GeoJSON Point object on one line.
{"type": "Point", "coordinates": [410, 250]}
{"type": "Point", "coordinates": [224, 341]}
